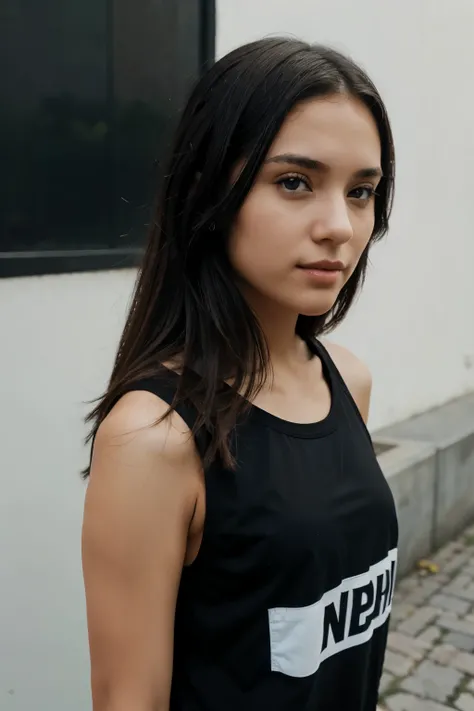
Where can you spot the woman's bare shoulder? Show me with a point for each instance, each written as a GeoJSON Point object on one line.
{"type": "Point", "coordinates": [356, 374]}
{"type": "Point", "coordinates": [134, 424]}
{"type": "Point", "coordinates": [142, 458]}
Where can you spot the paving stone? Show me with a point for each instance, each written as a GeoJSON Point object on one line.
{"type": "Point", "coordinates": [424, 591]}
{"type": "Point", "coordinates": [398, 598]}
{"type": "Point", "coordinates": [444, 579]}
{"type": "Point", "coordinates": [464, 642]}
{"type": "Point", "coordinates": [445, 553]}
{"type": "Point", "coordinates": [393, 624]}
{"type": "Point", "coordinates": [465, 593]}
{"type": "Point", "coordinates": [418, 598]}
{"type": "Point", "coordinates": [456, 562]}
{"type": "Point", "coordinates": [417, 622]}
{"type": "Point", "coordinates": [397, 664]}
{"type": "Point", "coordinates": [465, 702]}
{"type": "Point", "coordinates": [454, 624]}
{"type": "Point", "coordinates": [401, 611]}
{"type": "Point", "coordinates": [431, 584]}
{"type": "Point", "coordinates": [432, 681]}
{"type": "Point", "coordinates": [464, 662]}
{"type": "Point", "coordinates": [458, 589]}
{"type": "Point", "coordinates": [406, 585]}
{"type": "Point", "coordinates": [433, 634]}
{"type": "Point", "coordinates": [461, 581]}
{"type": "Point", "coordinates": [412, 647]}
{"type": "Point", "coordinates": [430, 650]}
{"type": "Point", "coordinates": [450, 603]}
{"type": "Point", "coordinates": [407, 702]}
{"type": "Point", "coordinates": [386, 682]}
{"type": "Point", "coordinates": [443, 654]}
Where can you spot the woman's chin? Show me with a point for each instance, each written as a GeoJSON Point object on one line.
{"type": "Point", "coordinates": [317, 308]}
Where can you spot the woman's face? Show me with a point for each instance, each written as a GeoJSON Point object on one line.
{"type": "Point", "coordinates": [310, 213]}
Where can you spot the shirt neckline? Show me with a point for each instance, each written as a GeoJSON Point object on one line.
{"type": "Point", "coordinates": [304, 429]}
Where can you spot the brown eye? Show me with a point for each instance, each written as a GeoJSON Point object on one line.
{"type": "Point", "coordinates": [294, 184]}
{"type": "Point", "coordinates": [364, 194]}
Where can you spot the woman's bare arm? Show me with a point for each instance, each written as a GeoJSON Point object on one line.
{"type": "Point", "coordinates": [142, 493]}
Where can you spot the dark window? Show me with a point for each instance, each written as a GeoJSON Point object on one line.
{"type": "Point", "coordinates": [89, 92]}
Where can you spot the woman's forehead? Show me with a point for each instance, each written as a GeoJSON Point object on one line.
{"type": "Point", "coordinates": [327, 129]}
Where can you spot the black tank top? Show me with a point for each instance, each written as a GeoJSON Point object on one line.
{"type": "Point", "coordinates": [286, 606]}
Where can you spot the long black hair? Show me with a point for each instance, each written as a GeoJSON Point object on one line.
{"type": "Point", "coordinates": [187, 307]}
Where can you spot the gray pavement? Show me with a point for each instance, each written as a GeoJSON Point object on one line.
{"type": "Point", "coordinates": [429, 664]}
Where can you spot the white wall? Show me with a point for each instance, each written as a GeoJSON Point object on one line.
{"type": "Point", "coordinates": [57, 340]}
{"type": "Point", "coordinates": [58, 334]}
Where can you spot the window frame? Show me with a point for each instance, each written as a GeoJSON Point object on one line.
{"type": "Point", "coordinates": [66, 261]}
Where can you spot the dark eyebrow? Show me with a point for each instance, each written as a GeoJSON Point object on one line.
{"type": "Point", "coordinates": [369, 173]}
{"type": "Point", "coordinates": [311, 164]}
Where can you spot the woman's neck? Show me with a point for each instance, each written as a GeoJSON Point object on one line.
{"type": "Point", "coordinates": [278, 325]}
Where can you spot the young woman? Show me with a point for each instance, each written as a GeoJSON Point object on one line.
{"type": "Point", "coordinates": [239, 539]}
